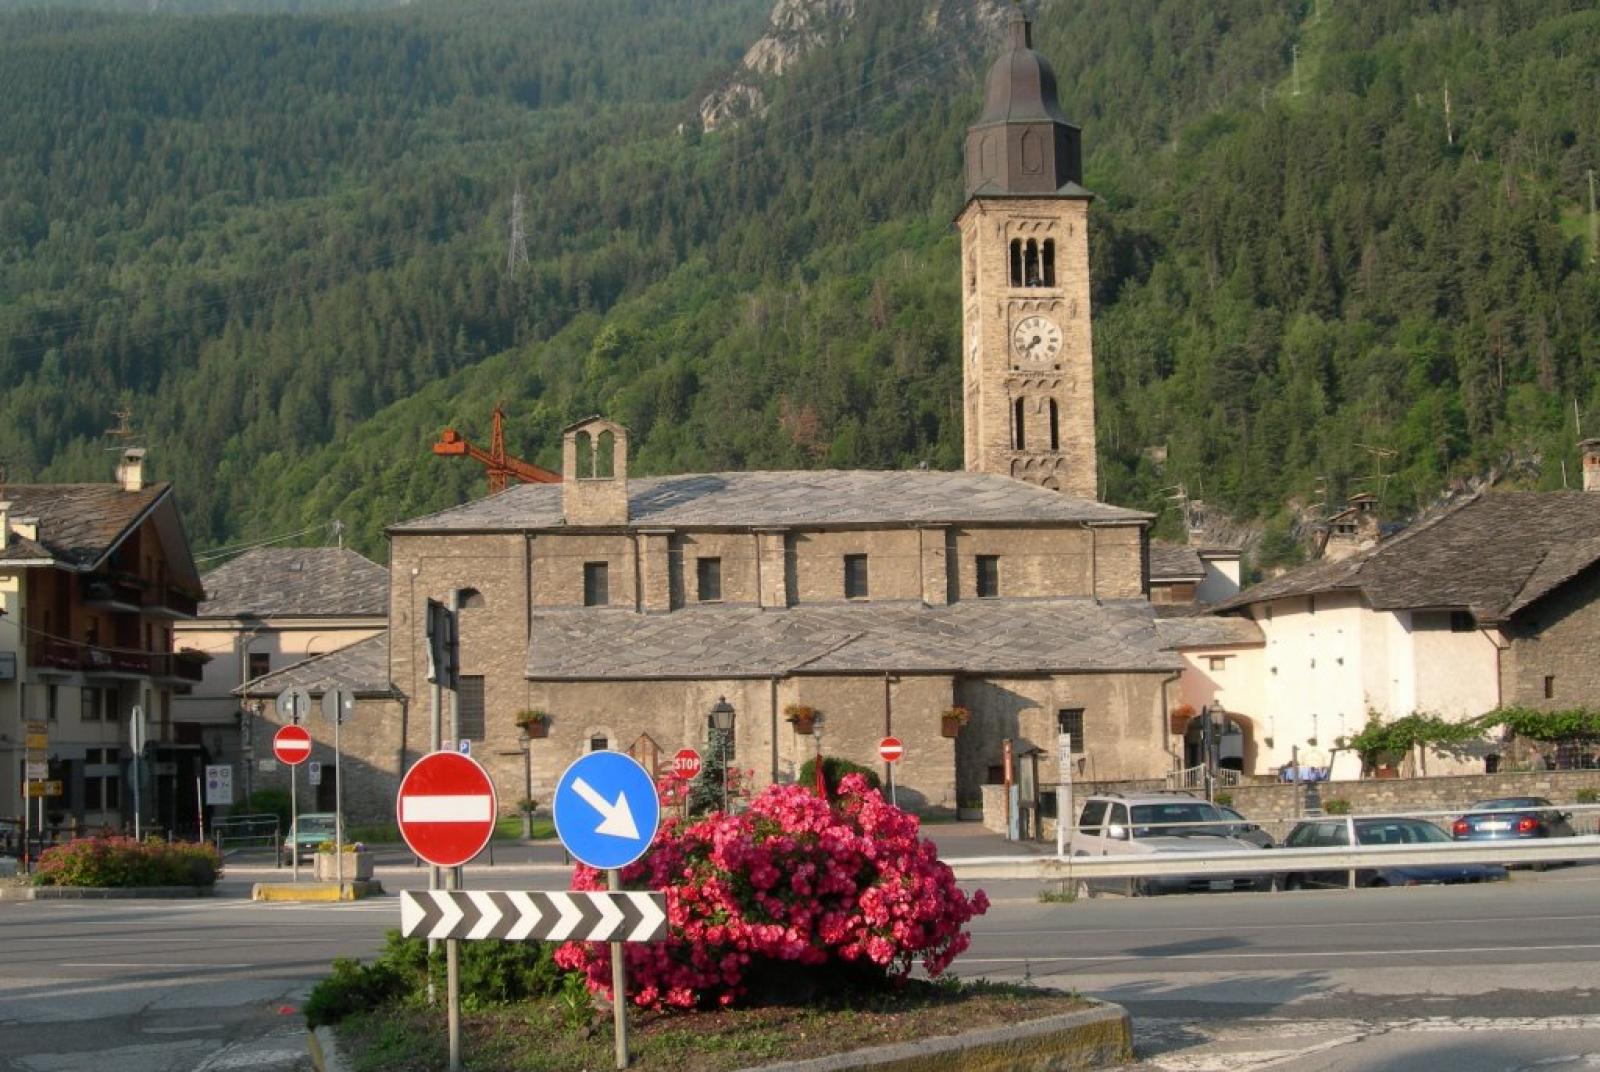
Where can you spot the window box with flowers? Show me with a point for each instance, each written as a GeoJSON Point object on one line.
{"type": "Point", "coordinates": [803, 717]}
{"type": "Point", "coordinates": [952, 719]}
{"type": "Point", "coordinates": [533, 722]}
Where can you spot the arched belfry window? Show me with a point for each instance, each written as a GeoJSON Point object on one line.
{"type": "Point", "coordinates": [1016, 262]}
{"type": "Point", "coordinates": [1031, 276]}
{"type": "Point", "coordinates": [1055, 426]}
{"type": "Point", "coordinates": [583, 447]}
{"type": "Point", "coordinates": [1048, 267]}
{"type": "Point", "coordinates": [470, 599]}
{"type": "Point", "coordinates": [605, 455]}
{"type": "Point", "coordinates": [1019, 436]}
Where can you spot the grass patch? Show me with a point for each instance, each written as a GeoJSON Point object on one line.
{"type": "Point", "coordinates": [539, 1036]}
{"type": "Point", "coordinates": [509, 828]}
{"type": "Point", "coordinates": [1060, 893]}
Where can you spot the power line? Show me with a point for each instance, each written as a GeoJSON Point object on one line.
{"type": "Point", "coordinates": [224, 552]}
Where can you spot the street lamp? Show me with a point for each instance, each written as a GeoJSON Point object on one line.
{"type": "Point", "coordinates": [722, 722]}
{"type": "Point", "coordinates": [1213, 723]}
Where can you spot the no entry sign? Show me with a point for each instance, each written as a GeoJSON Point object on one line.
{"type": "Point", "coordinates": [446, 808]}
{"type": "Point", "coordinates": [292, 745]}
{"type": "Point", "coordinates": [686, 764]}
{"type": "Point", "coordinates": [890, 749]}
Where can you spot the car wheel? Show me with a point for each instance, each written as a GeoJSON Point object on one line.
{"type": "Point", "coordinates": [1377, 884]}
{"type": "Point", "coordinates": [1541, 866]}
{"type": "Point", "coordinates": [1285, 883]}
{"type": "Point", "coordinates": [1141, 888]}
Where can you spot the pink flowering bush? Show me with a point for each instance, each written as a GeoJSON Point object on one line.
{"type": "Point", "coordinates": [122, 861]}
{"type": "Point", "coordinates": [847, 887]}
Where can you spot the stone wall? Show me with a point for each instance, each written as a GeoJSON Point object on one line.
{"type": "Point", "coordinates": [1555, 638]}
{"type": "Point", "coordinates": [369, 759]}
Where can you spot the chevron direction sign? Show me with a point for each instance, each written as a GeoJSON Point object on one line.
{"type": "Point", "coordinates": [521, 916]}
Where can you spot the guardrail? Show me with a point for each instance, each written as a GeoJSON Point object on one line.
{"type": "Point", "coordinates": [246, 831]}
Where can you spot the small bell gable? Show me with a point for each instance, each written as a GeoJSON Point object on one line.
{"type": "Point", "coordinates": [594, 473]}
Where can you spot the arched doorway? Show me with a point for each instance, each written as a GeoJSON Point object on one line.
{"type": "Point", "coordinates": [1233, 742]}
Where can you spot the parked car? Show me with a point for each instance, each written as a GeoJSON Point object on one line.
{"type": "Point", "coordinates": [1245, 830]}
{"type": "Point", "coordinates": [1337, 833]}
{"type": "Point", "coordinates": [1116, 825]}
{"type": "Point", "coordinates": [1513, 819]}
{"type": "Point", "coordinates": [306, 833]}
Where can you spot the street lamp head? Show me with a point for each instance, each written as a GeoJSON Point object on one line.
{"type": "Point", "coordinates": [722, 715]}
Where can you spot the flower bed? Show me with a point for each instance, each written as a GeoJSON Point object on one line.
{"type": "Point", "coordinates": [122, 862]}
{"type": "Point", "coordinates": [794, 892]}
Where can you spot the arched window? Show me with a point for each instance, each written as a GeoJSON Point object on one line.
{"type": "Point", "coordinates": [1049, 266]}
{"type": "Point", "coordinates": [1055, 426]}
{"type": "Point", "coordinates": [1016, 262]}
{"type": "Point", "coordinates": [605, 455]}
{"type": "Point", "coordinates": [1030, 265]}
{"type": "Point", "coordinates": [583, 446]}
{"type": "Point", "coordinates": [470, 599]}
{"type": "Point", "coordinates": [1018, 435]}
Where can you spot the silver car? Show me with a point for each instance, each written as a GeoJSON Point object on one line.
{"type": "Point", "coordinates": [1115, 825]}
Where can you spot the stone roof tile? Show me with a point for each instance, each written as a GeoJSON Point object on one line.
{"type": "Point", "coordinates": [275, 582]}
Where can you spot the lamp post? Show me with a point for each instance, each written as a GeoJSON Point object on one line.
{"type": "Point", "coordinates": [722, 722]}
{"type": "Point", "coordinates": [1213, 721]}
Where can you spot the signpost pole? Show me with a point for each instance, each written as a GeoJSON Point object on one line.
{"type": "Point", "coordinates": [136, 739]}
{"type": "Point", "coordinates": [1063, 791]}
{"type": "Point", "coordinates": [294, 823]}
{"type": "Point", "coordinates": [452, 982]}
{"type": "Point", "coordinates": [619, 982]}
{"type": "Point", "coordinates": [338, 793]}
{"type": "Point", "coordinates": [200, 807]}
{"type": "Point", "coordinates": [27, 830]}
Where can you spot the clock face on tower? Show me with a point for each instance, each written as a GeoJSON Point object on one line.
{"type": "Point", "coordinates": [1036, 339]}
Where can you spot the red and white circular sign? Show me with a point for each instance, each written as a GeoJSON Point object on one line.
{"type": "Point", "coordinates": [890, 749]}
{"type": "Point", "coordinates": [686, 764]}
{"type": "Point", "coordinates": [446, 808]}
{"type": "Point", "coordinates": [292, 745]}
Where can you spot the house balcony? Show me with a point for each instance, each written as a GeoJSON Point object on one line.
{"type": "Point", "coordinates": [103, 664]}
{"type": "Point", "coordinates": [113, 591]}
{"type": "Point", "coordinates": [171, 604]}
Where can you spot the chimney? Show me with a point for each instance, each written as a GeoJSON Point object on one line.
{"type": "Point", "coordinates": [5, 524]}
{"type": "Point", "coordinates": [1591, 464]}
{"type": "Point", "coordinates": [130, 471]}
{"type": "Point", "coordinates": [594, 473]}
{"type": "Point", "coordinates": [26, 527]}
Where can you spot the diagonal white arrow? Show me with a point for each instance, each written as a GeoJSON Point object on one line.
{"type": "Point", "coordinates": [490, 915]}
{"type": "Point", "coordinates": [616, 819]}
{"type": "Point", "coordinates": [653, 917]}
{"type": "Point", "coordinates": [571, 916]}
{"type": "Point", "coordinates": [453, 914]}
{"type": "Point", "coordinates": [528, 916]}
{"type": "Point", "coordinates": [610, 916]}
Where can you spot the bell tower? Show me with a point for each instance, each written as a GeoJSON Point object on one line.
{"type": "Point", "coordinates": [1028, 373]}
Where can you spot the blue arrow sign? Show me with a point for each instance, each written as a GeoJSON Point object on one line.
{"type": "Point", "coordinates": [606, 810]}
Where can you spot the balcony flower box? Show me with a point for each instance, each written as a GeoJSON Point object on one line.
{"type": "Point", "coordinates": [803, 717]}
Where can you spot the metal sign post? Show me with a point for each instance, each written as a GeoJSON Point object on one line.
{"type": "Point", "coordinates": [293, 704]}
{"type": "Point", "coordinates": [619, 982]}
{"type": "Point", "coordinates": [336, 705]}
{"type": "Point", "coordinates": [136, 742]}
{"type": "Point", "coordinates": [1063, 791]}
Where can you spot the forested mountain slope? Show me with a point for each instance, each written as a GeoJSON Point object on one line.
{"type": "Point", "coordinates": [283, 240]}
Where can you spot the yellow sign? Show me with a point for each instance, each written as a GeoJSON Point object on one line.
{"type": "Point", "coordinates": [36, 726]}
{"type": "Point", "coordinates": [44, 789]}
{"type": "Point", "coordinates": [38, 741]}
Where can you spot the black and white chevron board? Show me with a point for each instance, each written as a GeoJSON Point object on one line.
{"type": "Point", "coordinates": [526, 916]}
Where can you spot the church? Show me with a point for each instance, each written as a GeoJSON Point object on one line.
{"type": "Point", "coordinates": [957, 611]}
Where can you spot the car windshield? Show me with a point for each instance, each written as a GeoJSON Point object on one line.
{"type": "Point", "coordinates": [316, 824]}
{"type": "Point", "coordinates": [1398, 832]}
{"type": "Point", "coordinates": [1510, 802]}
{"type": "Point", "coordinates": [1162, 820]}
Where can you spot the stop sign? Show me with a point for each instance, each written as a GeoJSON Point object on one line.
{"type": "Point", "coordinates": [446, 808]}
{"type": "Point", "coordinates": [890, 749]}
{"type": "Point", "coordinates": [292, 745]}
{"type": "Point", "coordinates": [686, 764]}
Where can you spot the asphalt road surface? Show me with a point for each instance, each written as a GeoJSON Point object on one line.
{"type": "Point", "coordinates": [1472, 978]}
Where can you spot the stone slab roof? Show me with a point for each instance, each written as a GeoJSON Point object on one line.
{"type": "Point", "coordinates": [79, 524]}
{"type": "Point", "coordinates": [787, 499]}
{"type": "Point", "coordinates": [362, 667]}
{"type": "Point", "coordinates": [976, 637]}
{"type": "Point", "coordinates": [1209, 631]}
{"type": "Point", "coordinates": [22, 549]}
{"type": "Point", "coordinates": [1175, 562]}
{"type": "Point", "coordinates": [1494, 555]}
{"type": "Point", "coordinates": [297, 582]}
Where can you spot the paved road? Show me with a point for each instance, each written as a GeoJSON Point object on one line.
{"type": "Point", "coordinates": [1475, 978]}
{"type": "Point", "coordinates": [1504, 976]}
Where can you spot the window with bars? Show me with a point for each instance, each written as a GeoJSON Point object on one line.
{"type": "Point", "coordinates": [596, 584]}
{"type": "Point", "coordinates": [855, 577]}
{"type": "Point", "coordinates": [470, 706]}
{"type": "Point", "coordinates": [988, 576]}
{"type": "Point", "coordinates": [1070, 720]}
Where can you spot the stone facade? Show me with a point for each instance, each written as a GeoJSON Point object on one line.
{"type": "Point", "coordinates": [1554, 639]}
{"type": "Point", "coordinates": [1029, 406]}
{"type": "Point", "coordinates": [369, 757]}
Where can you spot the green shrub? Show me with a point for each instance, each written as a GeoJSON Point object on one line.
{"type": "Point", "coordinates": [122, 862]}
{"type": "Point", "coordinates": [1588, 796]}
{"type": "Point", "coordinates": [1225, 799]}
{"type": "Point", "coordinates": [833, 769]}
{"type": "Point", "coordinates": [355, 987]}
{"type": "Point", "coordinates": [1336, 807]}
{"type": "Point", "coordinates": [270, 802]}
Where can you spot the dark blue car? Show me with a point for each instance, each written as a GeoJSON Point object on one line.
{"type": "Point", "coordinates": [1513, 819]}
{"type": "Point", "coordinates": [1336, 832]}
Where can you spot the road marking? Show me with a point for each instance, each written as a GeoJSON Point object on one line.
{"type": "Point", "coordinates": [1278, 954]}
{"type": "Point", "coordinates": [1233, 928]}
{"type": "Point", "coordinates": [161, 966]}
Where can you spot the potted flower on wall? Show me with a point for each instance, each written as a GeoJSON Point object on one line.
{"type": "Point", "coordinates": [803, 717]}
{"type": "Point", "coordinates": [533, 722]}
{"type": "Point", "coordinates": [1178, 718]}
{"type": "Point", "coordinates": [952, 719]}
{"type": "Point", "coordinates": [357, 862]}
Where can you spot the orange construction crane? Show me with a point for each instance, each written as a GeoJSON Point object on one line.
{"type": "Point", "coordinates": [499, 465]}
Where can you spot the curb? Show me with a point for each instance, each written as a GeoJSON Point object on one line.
{"type": "Point", "coordinates": [1089, 1039]}
{"type": "Point", "coordinates": [1084, 1040]}
{"type": "Point", "coordinates": [324, 1049]}
{"type": "Point", "coordinates": [96, 893]}
{"type": "Point", "coordinates": [315, 891]}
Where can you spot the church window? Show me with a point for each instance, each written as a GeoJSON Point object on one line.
{"type": "Point", "coordinates": [596, 584]}
{"type": "Point", "coordinates": [1018, 435]}
{"type": "Point", "coordinates": [972, 273]}
{"type": "Point", "coordinates": [583, 446]}
{"type": "Point", "coordinates": [470, 599]}
{"type": "Point", "coordinates": [599, 743]}
{"type": "Point", "coordinates": [470, 706]}
{"type": "Point", "coordinates": [605, 456]}
{"type": "Point", "coordinates": [1016, 262]}
{"type": "Point", "coordinates": [988, 576]}
{"type": "Point", "coordinates": [855, 577]}
{"type": "Point", "coordinates": [1048, 267]}
{"type": "Point", "coordinates": [1070, 720]}
{"type": "Point", "coordinates": [1055, 426]}
{"type": "Point", "coordinates": [708, 579]}
{"type": "Point", "coordinates": [1031, 276]}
